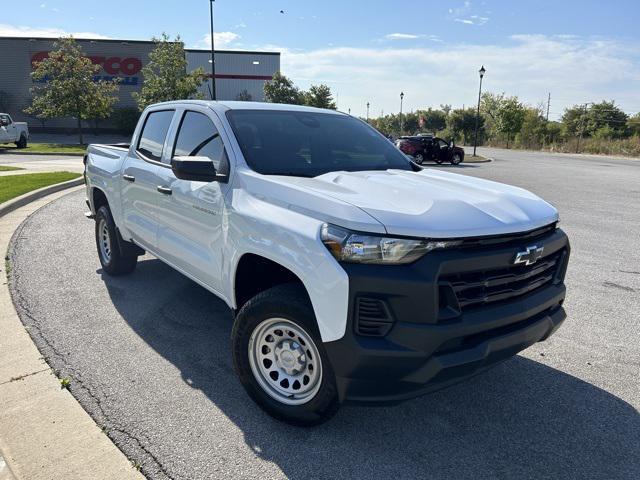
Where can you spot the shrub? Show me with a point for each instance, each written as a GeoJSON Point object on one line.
{"type": "Point", "coordinates": [125, 119]}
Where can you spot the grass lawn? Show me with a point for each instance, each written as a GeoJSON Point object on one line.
{"type": "Point", "coordinates": [46, 148]}
{"type": "Point", "coordinates": [12, 186]}
{"type": "Point", "coordinates": [5, 168]}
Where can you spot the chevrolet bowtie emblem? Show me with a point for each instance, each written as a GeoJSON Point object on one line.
{"type": "Point", "coordinates": [530, 256]}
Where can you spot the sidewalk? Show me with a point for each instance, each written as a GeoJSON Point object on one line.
{"type": "Point", "coordinates": [35, 164]}
{"type": "Point", "coordinates": [44, 432]}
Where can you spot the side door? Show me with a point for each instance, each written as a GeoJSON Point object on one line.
{"type": "Point", "coordinates": [140, 180]}
{"type": "Point", "coordinates": [4, 129]}
{"type": "Point", "coordinates": [190, 233]}
{"type": "Point", "coordinates": [443, 150]}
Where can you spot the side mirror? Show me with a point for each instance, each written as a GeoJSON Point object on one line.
{"type": "Point", "coordinates": [197, 169]}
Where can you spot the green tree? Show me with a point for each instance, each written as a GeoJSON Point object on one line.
{"type": "Point", "coordinates": [462, 124]}
{"type": "Point", "coordinates": [510, 118]}
{"type": "Point", "coordinates": [574, 120]}
{"type": "Point", "coordinates": [244, 96]}
{"type": "Point", "coordinates": [633, 124]}
{"type": "Point", "coordinates": [67, 87]}
{"type": "Point", "coordinates": [319, 96]}
{"type": "Point", "coordinates": [281, 89]}
{"type": "Point", "coordinates": [533, 131]}
{"type": "Point", "coordinates": [606, 119]}
{"type": "Point", "coordinates": [166, 77]}
{"type": "Point", "coordinates": [433, 120]}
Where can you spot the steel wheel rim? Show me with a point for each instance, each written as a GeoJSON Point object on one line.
{"type": "Point", "coordinates": [285, 361]}
{"type": "Point", "coordinates": [104, 241]}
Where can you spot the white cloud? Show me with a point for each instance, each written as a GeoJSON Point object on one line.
{"type": "Point", "coordinates": [472, 20]}
{"type": "Point", "coordinates": [31, 32]}
{"type": "Point", "coordinates": [402, 36]}
{"type": "Point", "coordinates": [221, 40]}
{"type": "Point", "coordinates": [410, 36]}
{"type": "Point", "coordinates": [529, 66]}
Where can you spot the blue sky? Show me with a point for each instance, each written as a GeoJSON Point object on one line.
{"type": "Point", "coordinates": [580, 51]}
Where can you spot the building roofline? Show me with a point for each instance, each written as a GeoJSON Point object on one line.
{"type": "Point", "coordinates": [243, 52]}
{"type": "Point", "coordinates": [148, 42]}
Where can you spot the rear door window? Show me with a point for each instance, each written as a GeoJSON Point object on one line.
{"type": "Point", "coordinates": [154, 133]}
{"type": "Point", "coordinates": [199, 137]}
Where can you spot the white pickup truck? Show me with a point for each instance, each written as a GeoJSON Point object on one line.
{"type": "Point", "coordinates": [13, 132]}
{"type": "Point", "coordinates": [353, 273]}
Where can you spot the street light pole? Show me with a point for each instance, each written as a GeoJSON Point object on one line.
{"type": "Point", "coordinates": [367, 112]}
{"type": "Point", "coordinates": [213, 59]}
{"type": "Point", "coordinates": [475, 141]}
{"type": "Point", "coordinates": [401, 119]}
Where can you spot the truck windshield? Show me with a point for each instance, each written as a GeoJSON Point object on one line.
{"type": "Point", "coordinates": [307, 144]}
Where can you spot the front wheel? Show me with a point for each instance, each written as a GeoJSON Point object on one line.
{"type": "Point", "coordinates": [456, 159]}
{"type": "Point", "coordinates": [112, 259]}
{"type": "Point", "coordinates": [280, 360]}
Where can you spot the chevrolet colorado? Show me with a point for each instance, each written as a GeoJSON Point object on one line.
{"type": "Point", "coordinates": [13, 132]}
{"type": "Point", "coordinates": [353, 273]}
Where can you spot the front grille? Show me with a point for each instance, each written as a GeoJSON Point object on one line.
{"type": "Point", "coordinates": [508, 239]}
{"type": "Point", "coordinates": [480, 287]}
{"type": "Point", "coordinates": [372, 317]}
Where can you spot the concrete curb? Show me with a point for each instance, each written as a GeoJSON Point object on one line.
{"type": "Point", "coordinates": [486, 160]}
{"type": "Point", "coordinates": [58, 154]}
{"type": "Point", "coordinates": [29, 197]}
{"type": "Point", "coordinates": [44, 432]}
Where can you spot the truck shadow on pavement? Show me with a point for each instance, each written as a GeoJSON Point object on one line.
{"type": "Point", "coordinates": [522, 419]}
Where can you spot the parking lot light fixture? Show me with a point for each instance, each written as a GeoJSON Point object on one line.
{"type": "Point", "coordinates": [475, 140]}
{"type": "Point", "coordinates": [367, 112]}
{"type": "Point", "coordinates": [401, 119]}
{"type": "Point", "coordinates": [213, 60]}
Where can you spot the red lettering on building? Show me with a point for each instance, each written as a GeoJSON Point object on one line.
{"type": "Point", "coordinates": [112, 65]}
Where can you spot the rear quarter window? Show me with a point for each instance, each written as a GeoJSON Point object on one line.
{"type": "Point", "coordinates": [154, 133]}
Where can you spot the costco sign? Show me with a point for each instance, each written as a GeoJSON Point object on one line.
{"type": "Point", "coordinates": [124, 68]}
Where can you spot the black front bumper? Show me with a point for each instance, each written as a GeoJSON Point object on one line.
{"type": "Point", "coordinates": [432, 342]}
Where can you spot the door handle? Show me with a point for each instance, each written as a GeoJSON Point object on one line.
{"type": "Point", "coordinates": [164, 190]}
{"type": "Point", "coordinates": [129, 178]}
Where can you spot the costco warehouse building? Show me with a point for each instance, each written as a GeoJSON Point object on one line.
{"type": "Point", "coordinates": [236, 71]}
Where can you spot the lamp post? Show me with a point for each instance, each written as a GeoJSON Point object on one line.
{"type": "Point", "coordinates": [213, 59]}
{"type": "Point", "coordinates": [475, 141]}
{"type": "Point", "coordinates": [401, 120]}
{"type": "Point", "coordinates": [367, 112]}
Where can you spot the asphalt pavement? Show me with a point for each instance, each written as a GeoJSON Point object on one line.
{"type": "Point", "coordinates": [149, 358]}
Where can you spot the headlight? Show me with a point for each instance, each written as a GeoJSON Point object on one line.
{"type": "Point", "coordinates": [348, 246]}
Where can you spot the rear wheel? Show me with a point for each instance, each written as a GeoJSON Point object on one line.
{"type": "Point", "coordinates": [418, 158]}
{"type": "Point", "coordinates": [280, 360]}
{"type": "Point", "coordinates": [111, 258]}
{"type": "Point", "coordinates": [456, 159]}
{"type": "Point", "coordinates": [22, 143]}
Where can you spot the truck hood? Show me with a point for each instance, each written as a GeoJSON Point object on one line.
{"type": "Point", "coordinates": [433, 203]}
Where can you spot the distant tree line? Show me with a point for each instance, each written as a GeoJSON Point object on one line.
{"type": "Point", "coordinates": [505, 121]}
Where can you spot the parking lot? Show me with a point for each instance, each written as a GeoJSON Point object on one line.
{"type": "Point", "coordinates": [149, 358]}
